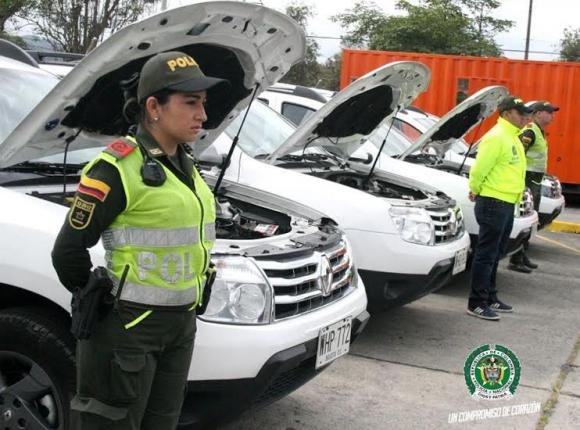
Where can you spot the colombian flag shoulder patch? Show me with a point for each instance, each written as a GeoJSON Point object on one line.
{"type": "Point", "coordinates": [94, 187]}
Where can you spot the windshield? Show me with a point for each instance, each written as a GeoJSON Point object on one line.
{"type": "Point", "coordinates": [21, 91]}
{"type": "Point", "coordinates": [263, 132]}
{"type": "Point", "coordinates": [424, 123]}
{"type": "Point", "coordinates": [79, 156]}
{"type": "Point", "coordinates": [396, 141]}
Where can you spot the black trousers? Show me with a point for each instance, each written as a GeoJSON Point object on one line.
{"type": "Point", "coordinates": [534, 183]}
{"type": "Point", "coordinates": [495, 218]}
{"type": "Point", "coordinates": [131, 379]}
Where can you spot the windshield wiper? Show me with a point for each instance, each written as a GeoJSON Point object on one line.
{"type": "Point", "coordinates": [316, 158]}
{"type": "Point", "coordinates": [45, 167]}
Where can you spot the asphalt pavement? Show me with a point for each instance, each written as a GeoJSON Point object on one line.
{"type": "Point", "coordinates": [406, 369]}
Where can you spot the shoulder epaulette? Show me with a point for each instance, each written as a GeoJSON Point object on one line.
{"type": "Point", "coordinates": [120, 148]}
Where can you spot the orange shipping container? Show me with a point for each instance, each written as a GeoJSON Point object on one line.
{"type": "Point", "coordinates": [454, 77]}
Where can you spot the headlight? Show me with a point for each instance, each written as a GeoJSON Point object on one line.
{"type": "Point", "coordinates": [547, 191]}
{"type": "Point", "coordinates": [240, 293]}
{"type": "Point", "coordinates": [414, 224]}
{"type": "Point", "coordinates": [526, 206]}
{"type": "Point", "coordinates": [551, 188]}
{"type": "Point", "coordinates": [353, 274]}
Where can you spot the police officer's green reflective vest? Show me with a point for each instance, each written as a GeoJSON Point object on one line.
{"type": "Point", "coordinates": [165, 236]}
{"type": "Point", "coordinates": [537, 154]}
{"type": "Point", "coordinates": [499, 170]}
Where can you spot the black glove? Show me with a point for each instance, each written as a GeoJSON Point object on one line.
{"type": "Point", "coordinates": [209, 280]}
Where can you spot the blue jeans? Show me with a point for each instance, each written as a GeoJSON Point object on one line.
{"type": "Point", "coordinates": [496, 219]}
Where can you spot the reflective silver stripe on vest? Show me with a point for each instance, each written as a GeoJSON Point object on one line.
{"type": "Point", "coordinates": [155, 296]}
{"type": "Point", "coordinates": [135, 236]}
{"type": "Point", "coordinates": [209, 232]}
{"type": "Point", "coordinates": [538, 160]}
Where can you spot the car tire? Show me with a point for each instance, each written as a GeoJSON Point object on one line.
{"type": "Point", "coordinates": [37, 369]}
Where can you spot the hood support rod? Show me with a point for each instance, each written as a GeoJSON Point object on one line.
{"type": "Point", "coordinates": [68, 141]}
{"type": "Point", "coordinates": [368, 178]}
{"type": "Point", "coordinates": [228, 158]}
{"type": "Point", "coordinates": [470, 146]}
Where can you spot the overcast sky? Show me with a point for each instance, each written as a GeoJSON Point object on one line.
{"type": "Point", "coordinates": [549, 19]}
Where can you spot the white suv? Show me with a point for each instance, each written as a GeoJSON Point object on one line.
{"type": "Point", "coordinates": [414, 122]}
{"type": "Point", "coordinates": [425, 150]}
{"type": "Point", "coordinates": [295, 102]}
{"type": "Point", "coordinates": [408, 238]}
{"type": "Point", "coordinates": [425, 158]}
{"type": "Point", "coordinates": [280, 293]}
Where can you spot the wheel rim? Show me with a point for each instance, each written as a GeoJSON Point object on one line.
{"type": "Point", "coordinates": [28, 396]}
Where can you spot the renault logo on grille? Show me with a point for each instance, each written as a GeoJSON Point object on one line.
{"type": "Point", "coordinates": [325, 279]}
{"type": "Point", "coordinates": [452, 222]}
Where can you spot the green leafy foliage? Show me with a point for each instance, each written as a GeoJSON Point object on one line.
{"type": "Point", "coordinates": [460, 27]}
{"type": "Point", "coordinates": [570, 43]}
{"type": "Point", "coordinates": [307, 72]}
{"type": "Point", "coordinates": [77, 25]}
{"type": "Point", "coordinates": [9, 9]}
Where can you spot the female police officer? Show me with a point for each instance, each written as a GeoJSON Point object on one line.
{"type": "Point", "coordinates": [155, 215]}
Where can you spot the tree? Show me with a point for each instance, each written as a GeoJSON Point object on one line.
{"type": "Point", "coordinates": [330, 73]}
{"type": "Point", "coordinates": [462, 27]}
{"type": "Point", "coordinates": [9, 9]}
{"type": "Point", "coordinates": [362, 21]}
{"type": "Point", "coordinates": [482, 24]}
{"type": "Point", "coordinates": [570, 43]}
{"type": "Point", "coordinates": [74, 25]}
{"type": "Point", "coordinates": [306, 72]}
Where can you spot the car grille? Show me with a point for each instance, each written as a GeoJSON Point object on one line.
{"type": "Point", "coordinates": [526, 204]}
{"type": "Point", "coordinates": [287, 382]}
{"type": "Point", "coordinates": [448, 224]}
{"type": "Point", "coordinates": [305, 284]}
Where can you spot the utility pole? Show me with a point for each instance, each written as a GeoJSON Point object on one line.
{"type": "Point", "coordinates": [526, 52]}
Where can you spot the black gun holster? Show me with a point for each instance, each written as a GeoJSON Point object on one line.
{"type": "Point", "coordinates": [91, 303]}
{"type": "Point", "coordinates": [209, 280]}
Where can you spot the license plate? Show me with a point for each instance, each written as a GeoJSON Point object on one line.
{"type": "Point", "coordinates": [333, 341]}
{"type": "Point", "coordinates": [460, 261]}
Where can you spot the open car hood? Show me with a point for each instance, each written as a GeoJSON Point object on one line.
{"type": "Point", "coordinates": [342, 125]}
{"type": "Point", "coordinates": [244, 43]}
{"type": "Point", "coordinates": [458, 121]}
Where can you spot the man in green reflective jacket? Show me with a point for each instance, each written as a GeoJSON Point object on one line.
{"type": "Point", "coordinates": [496, 184]}
{"type": "Point", "coordinates": [533, 137]}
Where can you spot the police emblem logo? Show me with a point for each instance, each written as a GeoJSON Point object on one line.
{"type": "Point", "coordinates": [80, 213]}
{"type": "Point", "coordinates": [492, 372]}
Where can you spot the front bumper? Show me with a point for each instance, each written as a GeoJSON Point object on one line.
{"type": "Point", "coordinates": [396, 272]}
{"type": "Point", "coordinates": [550, 209]}
{"type": "Point", "coordinates": [209, 402]}
{"type": "Point", "coordinates": [388, 290]}
{"type": "Point", "coordinates": [388, 253]}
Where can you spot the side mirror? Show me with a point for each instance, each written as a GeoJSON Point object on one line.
{"type": "Point", "coordinates": [210, 157]}
{"type": "Point", "coordinates": [367, 160]}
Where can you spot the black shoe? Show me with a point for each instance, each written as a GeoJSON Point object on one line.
{"type": "Point", "coordinates": [529, 264]}
{"type": "Point", "coordinates": [483, 312]}
{"type": "Point", "coordinates": [519, 268]}
{"type": "Point", "coordinates": [499, 306]}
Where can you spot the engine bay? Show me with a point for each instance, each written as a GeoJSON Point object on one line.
{"type": "Point", "coordinates": [374, 185]}
{"type": "Point", "coordinates": [235, 219]}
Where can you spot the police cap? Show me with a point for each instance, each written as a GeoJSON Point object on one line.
{"type": "Point", "coordinates": [174, 71]}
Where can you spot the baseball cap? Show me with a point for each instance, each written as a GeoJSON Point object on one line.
{"type": "Point", "coordinates": [544, 106]}
{"type": "Point", "coordinates": [513, 102]}
{"type": "Point", "coordinates": [174, 70]}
